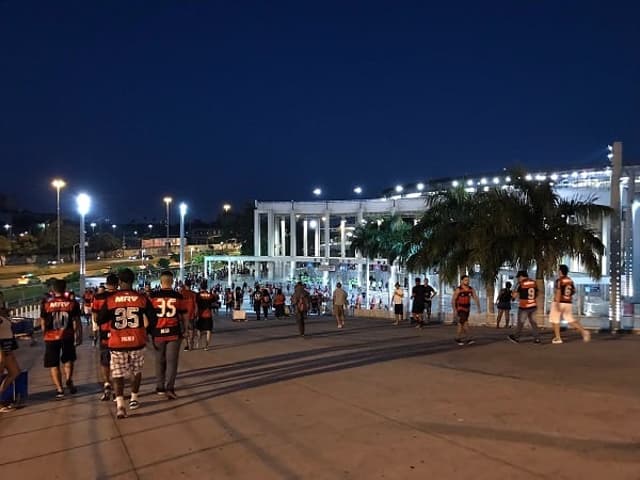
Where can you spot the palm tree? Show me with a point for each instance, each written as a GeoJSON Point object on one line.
{"type": "Point", "coordinates": [438, 240]}
{"type": "Point", "coordinates": [543, 228]}
{"type": "Point", "coordinates": [383, 238]}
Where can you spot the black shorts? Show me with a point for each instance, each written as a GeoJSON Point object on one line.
{"type": "Point", "coordinates": [105, 357]}
{"type": "Point", "coordinates": [463, 316]}
{"type": "Point", "coordinates": [204, 324]}
{"type": "Point", "coordinates": [417, 308]}
{"type": "Point", "coordinates": [59, 351]}
{"type": "Point", "coordinates": [8, 345]}
{"type": "Point", "coordinates": [397, 308]}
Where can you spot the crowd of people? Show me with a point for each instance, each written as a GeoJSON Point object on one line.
{"type": "Point", "coordinates": [174, 317]}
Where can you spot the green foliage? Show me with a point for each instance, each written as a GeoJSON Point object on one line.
{"type": "Point", "coordinates": [163, 263]}
{"type": "Point", "coordinates": [384, 238]}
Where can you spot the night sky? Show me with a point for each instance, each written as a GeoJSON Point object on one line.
{"type": "Point", "coordinates": [214, 102]}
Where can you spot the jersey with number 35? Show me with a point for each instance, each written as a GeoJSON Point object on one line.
{"type": "Point", "coordinates": [170, 307]}
{"type": "Point", "coordinates": [125, 311]}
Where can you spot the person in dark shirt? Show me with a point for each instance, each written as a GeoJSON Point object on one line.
{"type": "Point", "coordinates": [418, 295]}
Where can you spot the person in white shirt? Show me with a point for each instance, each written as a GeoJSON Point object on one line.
{"type": "Point", "coordinates": [398, 303]}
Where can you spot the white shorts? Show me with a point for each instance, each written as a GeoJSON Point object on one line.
{"type": "Point", "coordinates": [128, 363]}
{"type": "Point", "coordinates": [561, 310]}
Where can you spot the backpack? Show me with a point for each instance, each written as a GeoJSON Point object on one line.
{"type": "Point", "coordinates": [266, 299]}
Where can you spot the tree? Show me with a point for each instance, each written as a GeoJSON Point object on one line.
{"type": "Point", "coordinates": [544, 228]}
{"type": "Point", "coordinates": [438, 240]}
{"type": "Point", "coordinates": [383, 238]}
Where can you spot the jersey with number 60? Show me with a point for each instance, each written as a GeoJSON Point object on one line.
{"type": "Point", "coordinates": [170, 307]}
{"type": "Point", "coordinates": [125, 311]}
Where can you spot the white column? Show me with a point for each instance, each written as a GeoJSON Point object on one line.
{"type": "Point", "coordinates": [343, 245]}
{"type": "Point", "coordinates": [283, 237]}
{"type": "Point", "coordinates": [292, 241]}
{"type": "Point", "coordinates": [316, 249]}
{"type": "Point", "coordinates": [276, 238]}
{"type": "Point", "coordinates": [305, 238]}
{"type": "Point", "coordinates": [229, 274]}
{"type": "Point", "coordinates": [635, 274]}
{"type": "Point", "coordinates": [327, 234]}
{"type": "Point", "coordinates": [270, 233]}
{"type": "Point", "coordinates": [256, 233]}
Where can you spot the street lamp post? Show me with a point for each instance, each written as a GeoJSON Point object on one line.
{"type": "Point", "coordinates": [183, 212]}
{"type": "Point", "coordinates": [83, 202]}
{"type": "Point", "coordinates": [58, 184]}
{"type": "Point", "coordinates": [167, 201]}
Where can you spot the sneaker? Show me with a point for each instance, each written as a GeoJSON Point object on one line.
{"type": "Point", "coordinates": [160, 391]}
{"type": "Point", "coordinates": [471, 341]}
{"type": "Point", "coordinates": [106, 395]}
{"type": "Point", "coordinates": [419, 326]}
{"type": "Point", "coordinates": [556, 340]}
{"type": "Point", "coordinates": [339, 326]}
{"type": "Point", "coordinates": [171, 395]}
{"type": "Point", "coordinates": [459, 341]}
{"type": "Point", "coordinates": [586, 336]}
{"type": "Point", "coordinates": [6, 406]}
{"type": "Point", "coordinates": [395, 323]}
{"type": "Point", "coordinates": [206, 348]}
{"type": "Point", "coordinates": [121, 413]}
{"type": "Point", "coordinates": [513, 338]}
{"type": "Point", "coordinates": [134, 404]}
{"type": "Point", "coordinates": [536, 340]}
{"type": "Point", "coordinates": [186, 348]}
{"type": "Point", "coordinates": [72, 388]}
{"type": "Point", "coordinates": [59, 394]}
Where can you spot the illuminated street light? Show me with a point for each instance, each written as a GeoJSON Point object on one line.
{"type": "Point", "coordinates": [496, 180]}
{"type": "Point", "coordinates": [83, 202]}
{"type": "Point", "coordinates": [93, 227]}
{"type": "Point", "coordinates": [420, 186]}
{"type": "Point", "coordinates": [58, 183]}
{"type": "Point", "coordinates": [455, 183]}
{"type": "Point", "coordinates": [357, 190]}
{"type": "Point", "coordinates": [317, 192]}
{"type": "Point", "coordinates": [167, 201]}
{"type": "Point", "coordinates": [226, 207]}
{"type": "Point", "coordinates": [313, 224]}
{"type": "Point", "coordinates": [183, 212]}
{"type": "Point", "coordinates": [399, 188]}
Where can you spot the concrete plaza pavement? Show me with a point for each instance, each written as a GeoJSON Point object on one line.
{"type": "Point", "coordinates": [371, 401]}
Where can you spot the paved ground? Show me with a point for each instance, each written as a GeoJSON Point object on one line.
{"type": "Point", "coordinates": [370, 401]}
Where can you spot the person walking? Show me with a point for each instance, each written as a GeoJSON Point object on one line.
{"type": "Point", "coordinates": [301, 300]}
{"type": "Point", "coordinates": [167, 333]}
{"type": "Point", "coordinates": [257, 301]}
{"type": "Point", "coordinates": [204, 324]}
{"type": "Point", "coordinates": [461, 304]}
{"type": "Point", "coordinates": [339, 303]}
{"type": "Point", "coordinates": [130, 315]}
{"type": "Point", "coordinates": [111, 285]}
{"type": "Point", "coordinates": [398, 303]}
{"type": "Point", "coordinates": [430, 292]}
{"type": "Point", "coordinates": [504, 305]}
{"type": "Point", "coordinates": [60, 321]}
{"type": "Point", "coordinates": [265, 301]}
{"type": "Point", "coordinates": [418, 295]}
{"type": "Point", "coordinates": [191, 311]}
{"type": "Point", "coordinates": [8, 358]}
{"type": "Point", "coordinates": [526, 292]}
{"type": "Point", "coordinates": [562, 306]}
{"type": "Point", "coordinates": [278, 303]}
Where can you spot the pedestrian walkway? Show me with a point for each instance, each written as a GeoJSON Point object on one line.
{"type": "Point", "coordinates": [369, 401]}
